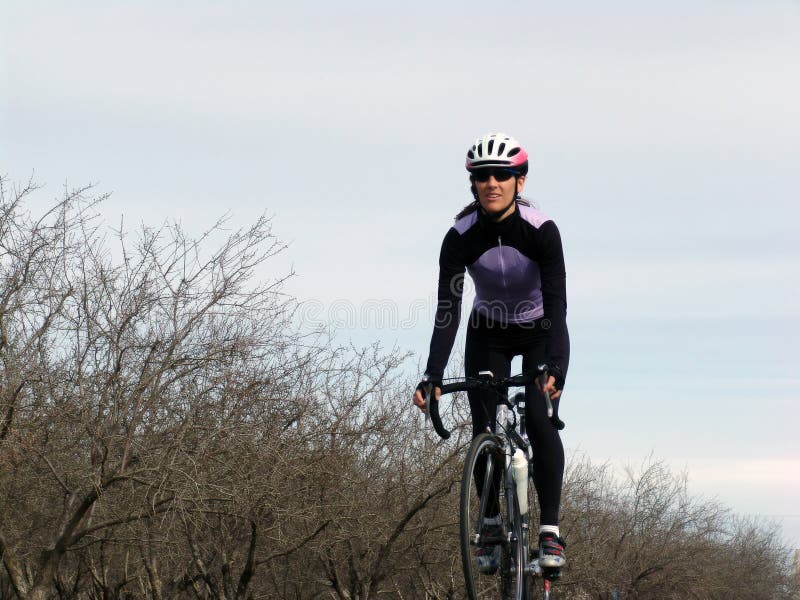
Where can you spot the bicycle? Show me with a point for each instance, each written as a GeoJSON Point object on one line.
{"type": "Point", "coordinates": [501, 459]}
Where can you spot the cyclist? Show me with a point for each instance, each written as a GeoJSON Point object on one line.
{"type": "Point", "coordinates": [514, 255]}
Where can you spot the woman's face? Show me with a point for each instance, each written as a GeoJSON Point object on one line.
{"type": "Point", "coordinates": [496, 190]}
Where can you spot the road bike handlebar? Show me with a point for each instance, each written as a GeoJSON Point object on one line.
{"type": "Point", "coordinates": [483, 382]}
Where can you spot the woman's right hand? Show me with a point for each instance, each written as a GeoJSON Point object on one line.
{"type": "Point", "coordinates": [419, 399]}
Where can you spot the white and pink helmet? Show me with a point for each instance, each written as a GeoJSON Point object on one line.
{"type": "Point", "coordinates": [497, 150]}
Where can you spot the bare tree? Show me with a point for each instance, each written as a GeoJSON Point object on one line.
{"type": "Point", "coordinates": [383, 489]}
{"type": "Point", "coordinates": [120, 375]}
{"type": "Point", "coordinates": [647, 537]}
{"type": "Point", "coordinates": [168, 431]}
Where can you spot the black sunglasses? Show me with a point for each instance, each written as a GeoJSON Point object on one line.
{"type": "Point", "coordinates": [483, 175]}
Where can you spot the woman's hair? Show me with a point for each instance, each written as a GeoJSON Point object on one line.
{"type": "Point", "coordinates": [475, 205]}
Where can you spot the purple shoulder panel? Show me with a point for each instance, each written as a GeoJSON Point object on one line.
{"type": "Point", "coordinates": [533, 216]}
{"type": "Point", "coordinates": [466, 222]}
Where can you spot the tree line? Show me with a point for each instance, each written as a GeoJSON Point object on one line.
{"type": "Point", "coordinates": [167, 430]}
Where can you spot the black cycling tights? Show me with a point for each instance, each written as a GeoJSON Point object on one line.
{"type": "Point", "coordinates": [491, 348]}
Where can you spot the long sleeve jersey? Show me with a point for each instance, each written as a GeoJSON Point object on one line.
{"type": "Point", "coordinates": [517, 266]}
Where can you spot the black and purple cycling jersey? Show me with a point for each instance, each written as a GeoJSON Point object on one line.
{"type": "Point", "coordinates": [517, 266]}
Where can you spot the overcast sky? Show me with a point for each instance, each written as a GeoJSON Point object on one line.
{"type": "Point", "coordinates": [665, 142]}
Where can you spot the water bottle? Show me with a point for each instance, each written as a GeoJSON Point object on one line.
{"type": "Point", "coordinates": [519, 467]}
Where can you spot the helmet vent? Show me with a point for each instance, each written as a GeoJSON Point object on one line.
{"type": "Point", "coordinates": [498, 150]}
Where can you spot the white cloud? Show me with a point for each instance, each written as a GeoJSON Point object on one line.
{"type": "Point", "coordinates": [643, 285]}
{"type": "Point", "coordinates": [621, 71]}
{"type": "Point", "coordinates": [783, 473]}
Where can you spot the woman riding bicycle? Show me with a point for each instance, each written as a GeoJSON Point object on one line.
{"type": "Point", "coordinates": [514, 255]}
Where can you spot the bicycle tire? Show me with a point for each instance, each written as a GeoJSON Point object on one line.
{"type": "Point", "coordinates": [506, 583]}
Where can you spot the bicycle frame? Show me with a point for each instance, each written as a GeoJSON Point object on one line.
{"type": "Point", "coordinates": [508, 444]}
{"type": "Point", "coordinates": [511, 440]}
{"type": "Point", "coordinates": [509, 413]}
{"type": "Point", "coordinates": [519, 440]}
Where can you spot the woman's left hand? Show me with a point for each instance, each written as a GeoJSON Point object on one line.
{"type": "Point", "coordinates": [550, 388]}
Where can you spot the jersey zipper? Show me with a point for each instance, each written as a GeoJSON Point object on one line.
{"type": "Point", "coordinates": [502, 265]}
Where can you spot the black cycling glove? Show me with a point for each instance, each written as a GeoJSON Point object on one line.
{"type": "Point", "coordinates": [422, 385]}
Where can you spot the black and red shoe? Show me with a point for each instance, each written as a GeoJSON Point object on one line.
{"type": "Point", "coordinates": [551, 551]}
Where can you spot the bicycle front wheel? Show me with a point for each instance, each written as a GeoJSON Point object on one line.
{"type": "Point", "coordinates": [490, 554]}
